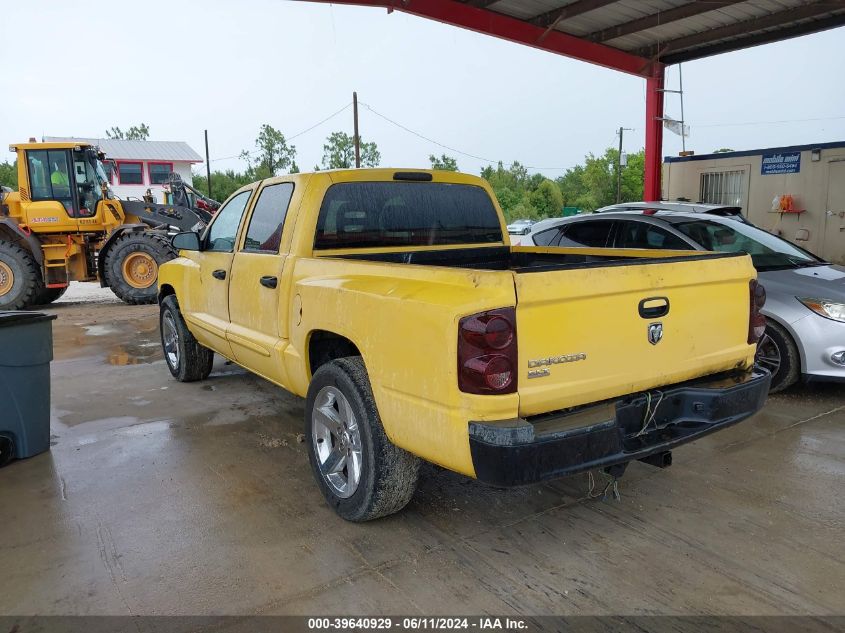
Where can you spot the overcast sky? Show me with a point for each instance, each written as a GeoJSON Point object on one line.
{"type": "Point", "coordinates": [78, 68]}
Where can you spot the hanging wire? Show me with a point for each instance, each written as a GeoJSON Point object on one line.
{"type": "Point", "coordinates": [451, 149]}
{"type": "Point", "coordinates": [289, 138]}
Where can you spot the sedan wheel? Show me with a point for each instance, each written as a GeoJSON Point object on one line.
{"type": "Point", "coordinates": [777, 352]}
{"type": "Point", "coordinates": [768, 354]}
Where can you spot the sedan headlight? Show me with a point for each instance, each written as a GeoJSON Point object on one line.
{"type": "Point", "coordinates": [825, 308]}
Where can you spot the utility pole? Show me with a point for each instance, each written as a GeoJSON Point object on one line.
{"type": "Point", "coordinates": [681, 91]}
{"type": "Point", "coordinates": [207, 166]}
{"type": "Point", "coordinates": [619, 168]}
{"type": "Point", "coordinates": [356, 139]}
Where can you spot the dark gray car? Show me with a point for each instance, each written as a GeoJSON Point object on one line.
{"type": "Point", "coordinates": [805, 308]}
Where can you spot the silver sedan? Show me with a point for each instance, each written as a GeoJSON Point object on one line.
{"type": "Point", "coordinates": [805, 306]}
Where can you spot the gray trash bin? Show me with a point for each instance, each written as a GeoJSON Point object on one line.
{"type": "Point", "coordinates": [26, 349]}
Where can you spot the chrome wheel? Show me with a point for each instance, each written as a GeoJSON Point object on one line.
{"type": "Point", "coordinates": [170, 340]}
{"type": "Point", "coordinates": [768, 354]}
{"type": "Point", "coordinates": [337, 441]}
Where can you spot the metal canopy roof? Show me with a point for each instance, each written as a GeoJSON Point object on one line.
{"type": "Point", "coordinates": [634, 36]}
{"type": "Point", "coordinates": [672, 31]}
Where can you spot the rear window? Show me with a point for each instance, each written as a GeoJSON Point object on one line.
{"type": "Point", "coordinates": [373, 214]}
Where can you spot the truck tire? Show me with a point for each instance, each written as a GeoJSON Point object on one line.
{"type": "Point", "coordinates": [48, 295]}
{"type": "Point", "coordinates": [362, 475]}
{"type": "Point", "coordinates": [20, 277]}
{"type": "Point", "coordinates": [778, 353]}
{"type": "Point", "coordinates": [187, 360]}
{"type": "Point", "coordinates": [131, 265]}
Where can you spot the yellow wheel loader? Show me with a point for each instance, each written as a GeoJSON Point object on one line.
{"type": "Point", "coordinates": [64, 224]}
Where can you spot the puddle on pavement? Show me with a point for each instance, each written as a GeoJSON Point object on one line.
{"type": "Point", "coordinates": [124, 341]}
{"type": "Point", "coordinates": [134, 354]}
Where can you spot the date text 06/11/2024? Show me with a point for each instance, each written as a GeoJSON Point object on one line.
{"type": "Point", "coordinates": [417, 623]}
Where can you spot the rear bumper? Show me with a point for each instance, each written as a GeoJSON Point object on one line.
{"type": "Point", "coordinates": [516, 452]}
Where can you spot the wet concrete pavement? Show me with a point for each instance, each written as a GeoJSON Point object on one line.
{"type": "Point", "coordinates": [166, 498]}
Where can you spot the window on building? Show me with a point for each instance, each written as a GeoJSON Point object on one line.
{"type": "Point", "coordinates": [160, 173]}
{"type": "Point", "coordinates": [264, 233]}
{"type": "Point", "coordinates": [130, 173]}
{"type": "Point", "coordinates": [723, 187]}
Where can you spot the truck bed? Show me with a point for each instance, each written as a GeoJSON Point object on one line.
{"type": "Point", "coordinates": [528, 259]}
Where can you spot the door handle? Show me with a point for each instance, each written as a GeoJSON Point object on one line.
{"type": "Point", "coordinates": [219, 274]}
{"type": "Point", "coordinates": [268, 281]}
{"type": "Point", "coordinates": [654, 307]}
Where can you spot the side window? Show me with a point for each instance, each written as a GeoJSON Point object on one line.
{"type": "Point", "coordinates": [49, 176]}
{"type": "Point", "coordinates": [646, 235]}
{"type": "Point", "coordinates": [264, 234]}
{"type": "Point", "coordinates": [547, 238]}
{"type": "Point", "coordinates": [160, 172]}
{"type": "Point", "coordinates": [223, 231]}
{"type": "Point", "coordinates": [130, 173]}
{"type": "Point", "coordinates": [594, 234]}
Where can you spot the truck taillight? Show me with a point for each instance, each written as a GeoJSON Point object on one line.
{"type": "Point", "coordinates": [487, 359]}
{"type": "Point", "coordinates": [756, 321]}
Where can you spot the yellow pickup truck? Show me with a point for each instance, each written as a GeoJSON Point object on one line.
{"type": "Point", "coordinates": [394, 303]}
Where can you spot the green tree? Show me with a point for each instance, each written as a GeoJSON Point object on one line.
{"type": "Point", "coordinates": [593, 184]}
{"type": "Point", "coordinates": [512, 189]}
{"type": "Point", "coordinates": [572, 187]}
{"type": "Point", "coordinates": [546, 199]}
{"type": "Point", "coordinates": [339, 152]}
{"type": "Point", "coordinates": [722, 150]}
{"type": "Point", "coordinates": [446, 163]}
{"type": "Point", "coordinates": [134, 133]}
{"type": "Point", "coordinates": [9, 174]}
{"type": "Point", "coordinates": [223, 183]}
{"type": "Point", "coordinates": [273, 154]}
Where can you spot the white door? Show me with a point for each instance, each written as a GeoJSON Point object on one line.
{"type": "Point", "coordinates": [833, 243]}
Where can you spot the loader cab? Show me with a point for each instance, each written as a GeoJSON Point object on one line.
{"type": "Point", "coordinates": [71, 177]}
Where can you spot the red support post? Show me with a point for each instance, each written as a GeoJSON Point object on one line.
{"type": "Point", "coordinates": [653, 134]}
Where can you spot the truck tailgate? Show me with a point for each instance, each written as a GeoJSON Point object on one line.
{"type": "Point", "coordinates": [582, 337]}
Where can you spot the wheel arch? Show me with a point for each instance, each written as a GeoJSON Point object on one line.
{"type": "Point", "coordinates": [12, 232]}
{"type": "Point", "coordinates": [324, 346]}
{"type": "Point", "coordinates": [165, 291]}
{"type": "Point", "coordinates": [802, 356]}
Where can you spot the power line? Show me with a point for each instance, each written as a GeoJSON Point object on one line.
{"type": "Point", "coordinates": [828, 118]}
{"type": "Point", "coordinates": [425, 138]}
{"type": "Point", "coordinates": [451, 149]}
{"type": "Point", "coordinates": [289, 138]}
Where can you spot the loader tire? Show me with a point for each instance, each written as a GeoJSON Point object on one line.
{"type": "Point", "coordinates": [187, 360]}
{"type": "Point", "coordinates": [48, 295]}
{"type": "Point", "coordinates": [20, 277]}
{"type": "Point", "coordinates": [361, 473]}
{"type": "Point", "coordinates": [132, 263]}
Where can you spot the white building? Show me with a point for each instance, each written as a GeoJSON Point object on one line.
{"type": "Point", "coordinates": [141, 165]}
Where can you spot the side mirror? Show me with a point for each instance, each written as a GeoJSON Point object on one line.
{"type": "Point", "coordinates": [186, 241]}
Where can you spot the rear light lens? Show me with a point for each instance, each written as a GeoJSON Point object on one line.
{"type": "Point", "coordinates": [756, 321]}
{"type": "Point", "coordinates": [487, 358]}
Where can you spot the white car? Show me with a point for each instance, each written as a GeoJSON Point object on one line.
{"type": "Point", "coordinates": [681, 206]}
{"type": "Point", "coordinates": [520, 227]}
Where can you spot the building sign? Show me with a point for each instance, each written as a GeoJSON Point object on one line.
{"type": "Point", "coordinates": [779, 163]}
